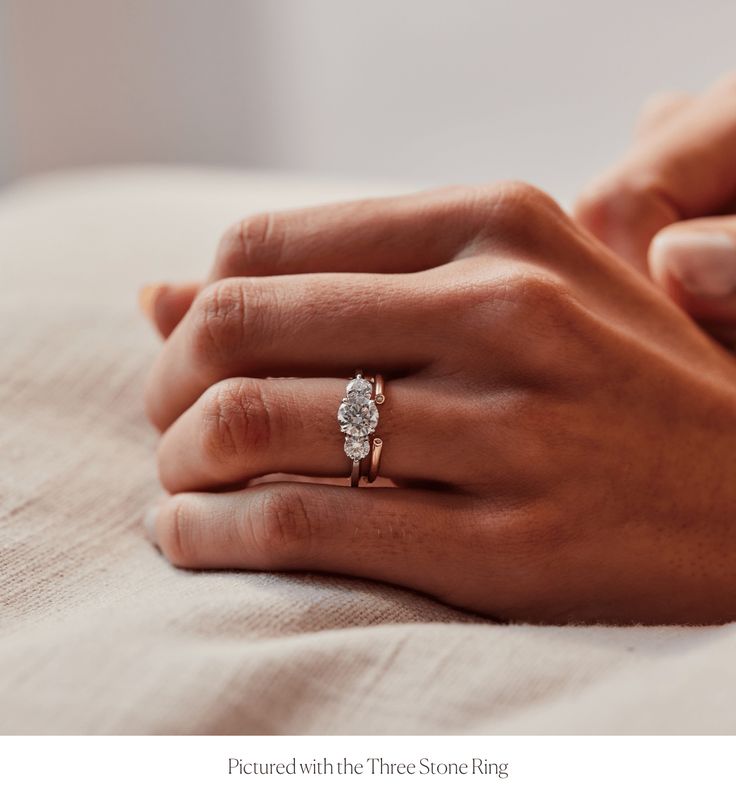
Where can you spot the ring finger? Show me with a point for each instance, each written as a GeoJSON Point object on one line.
{"type": "Point", "coordinates": [243, 428]}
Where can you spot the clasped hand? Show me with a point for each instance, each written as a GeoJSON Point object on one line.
{"type": "Point", "coordinates": [558, 433]}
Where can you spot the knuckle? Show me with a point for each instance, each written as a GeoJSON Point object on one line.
{"type": "Point", "coordinates": [518, 296]}
{"type": "Point", "coordinates": [616, 204]}
{"type": "Point", "coordinates": [515, 212]}
{"type": "Point", "coordinates": [538, 292]}
{"type": "Point", "coordinates": [251, 246]}
{"type": "Point", "coordinates": [551, 326]}
{"type": "Point", "coordinates": [512, 199]}
{"type": "Point", "coordinates": [236, 420]}
{"type": "Point", "coordinates": [176, 535]}
{"type": "Point", "coordinates": [601, 208]}
{"type": "Point", "coordinates": [279, 527]}
{"type": "Point", "coordinates": [547, 314]}
{"type": "Point", "coordinates": [538, 544]}
{"type": "Point", "coordinates": [220, 316]}
{"type": "Point", "coordinates": [541, 542]}
{"type": "Point", "coordinates": [517, 193]}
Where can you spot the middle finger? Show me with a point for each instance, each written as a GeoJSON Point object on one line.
{"type": "Point", "coordinates": [295, 325]}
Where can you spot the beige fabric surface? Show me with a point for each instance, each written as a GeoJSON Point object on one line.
{"type": "Point", "coordinates": [98, 634]}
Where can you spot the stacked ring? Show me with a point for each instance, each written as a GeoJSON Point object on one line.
{"type": "Point", "coordinates": [358, 416]}
{"type": "Point", "coordinates": [377, 444]}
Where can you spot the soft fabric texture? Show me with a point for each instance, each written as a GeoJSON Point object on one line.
{"type": "Point", "coordinates": [99, 634]}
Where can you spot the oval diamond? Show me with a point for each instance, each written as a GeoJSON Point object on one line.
{"type": "Point", "coordinates": [357, 447]}
{"type": "Point", "coordinates": [357, 416]}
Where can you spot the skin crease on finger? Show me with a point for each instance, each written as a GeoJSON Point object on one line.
{"type": "Point", "coordinates": [583, 465]}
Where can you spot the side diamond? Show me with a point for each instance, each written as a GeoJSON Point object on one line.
{"type": "Point", "coordinates": [357, 447]}
{"type": "Point", "coordinates": [359, 387]}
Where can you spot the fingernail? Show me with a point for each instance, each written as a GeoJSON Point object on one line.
{"type": "Point", "coordinates": [703, 261]}
{"type": "Point", "coordinates": [147, 297]}
{"type": "Point", "coordinates": [149, 523]}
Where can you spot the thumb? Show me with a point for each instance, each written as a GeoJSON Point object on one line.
{"type": "Point", "coordinates": [166, 303]}
{"type": "Point", "coordinates": [695, 262]}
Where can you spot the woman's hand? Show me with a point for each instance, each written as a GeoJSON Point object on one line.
{"type": "Point", "coordinates": [661, 207]}
{"type": "Point", "coordinates": [562, 435]}
{"type": "Point", "coordinates": [664, 207]}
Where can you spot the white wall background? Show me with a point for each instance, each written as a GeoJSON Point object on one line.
{"type": "Point", "coordinates": [419, 90]}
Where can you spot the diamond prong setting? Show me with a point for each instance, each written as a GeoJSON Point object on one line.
{"type": "Point", "coordinates": [357, 416]}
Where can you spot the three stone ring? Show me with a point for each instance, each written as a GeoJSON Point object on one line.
{"type": "Point", "coordinates": [358, 418]}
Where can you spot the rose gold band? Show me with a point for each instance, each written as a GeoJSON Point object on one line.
{"type": "Point", "coordinates": [376, 449]}
{"type": "Point", "coordinates": [378, 382]}
{"type": "Point", "coordinates": [377, 444]}
{"type": "Point", "coordinates": [355, 474]}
